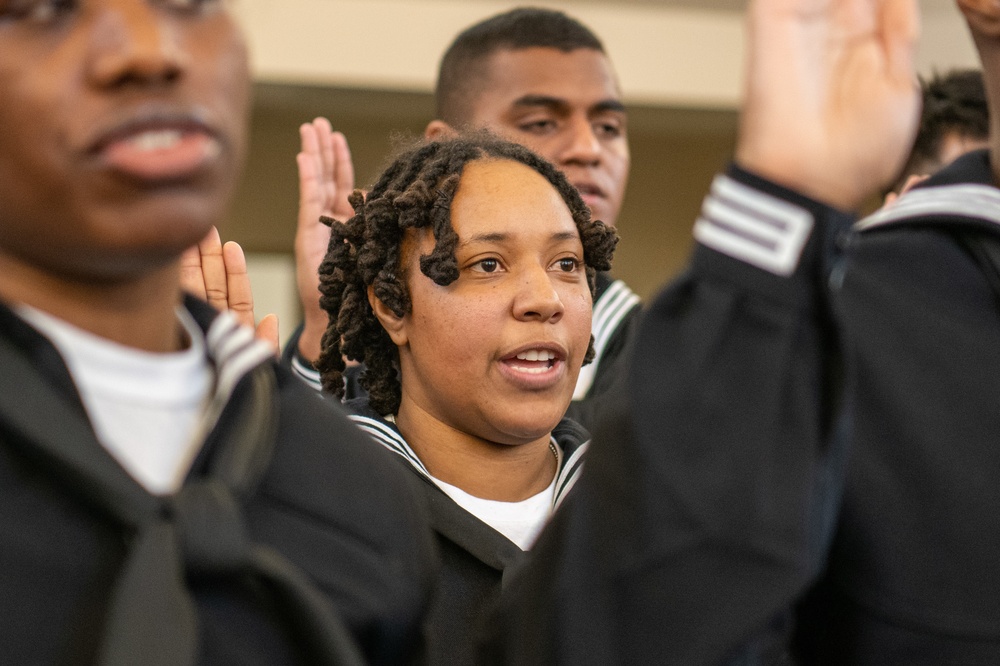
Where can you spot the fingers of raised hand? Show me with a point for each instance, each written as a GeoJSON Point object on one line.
{"type": "Point", "coordinates": [239, 295]}
{"type": "Point", "coordinates": [267, 330]}
{"type": "Point", "coordinates": [192, 278]}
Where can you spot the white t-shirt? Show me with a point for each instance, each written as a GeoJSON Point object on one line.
{"type": "Point", "coordinates": [520, 522]}
{"type": "Point", "coordinates": [145, 407]}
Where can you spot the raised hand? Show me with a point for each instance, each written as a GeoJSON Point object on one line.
{"type": "Point", "coordinates": [326, 179]}
{"type": "Point", "coordinates": [831, 101]}
{"type": "Point", "coordinates": [218, 274]}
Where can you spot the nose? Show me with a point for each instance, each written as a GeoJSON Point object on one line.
{"type": "Point", "coordinates": [133, 42]}
{"type": "Point", "coordinates": [581, 145]}
{"type": "Point", "coordinates": [537, 298]}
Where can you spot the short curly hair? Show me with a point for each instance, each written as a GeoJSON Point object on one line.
{"type": "Point", "coordinates": [416, 192]}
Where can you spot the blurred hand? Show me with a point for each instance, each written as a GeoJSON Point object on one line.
{"type": "Point", "coordinates": [326, 179]}
{"type": "Point", "coordinates": [217, 273]}
{"type": "Point", "coordinates": [831, 100]}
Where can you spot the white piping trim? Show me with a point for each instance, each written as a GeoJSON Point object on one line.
{"type": "Point", "coordinates": [751, 226]}
{"type": "Point", "coordinates": [609, 311]}
{"type": "Point", "coordinates": [981, 202]}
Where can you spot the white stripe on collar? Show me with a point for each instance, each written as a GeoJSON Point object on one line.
{"type": "Point", "coordinates": [389, 437]}
{"type": "Point", "coordinates": [308, 374]}
{"type": "Point", "coordinates": [609, 311]}
{"type": "Point", "coordinates": [235, 351]}
{"type": "Point", "coordinates": [751, 226]}
{"type": "Point", "coordinates": [981, 202]}
{"type": "Point", "coordinates": [569, 473]}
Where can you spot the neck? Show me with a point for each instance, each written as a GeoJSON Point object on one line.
{"type": "Point", "coordinates": [484, 469]}
{"type": "Point", "coordinates": [136, 312]}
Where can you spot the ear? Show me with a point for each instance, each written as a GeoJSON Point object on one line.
{"type": "Point", "coordinates": [393, 324]}
{"type": "Point", "coordinates": [439, 129]}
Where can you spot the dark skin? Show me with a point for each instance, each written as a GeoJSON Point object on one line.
{"type": "Point", "coordinates": [564, 106]}
{"type": "Point", "coordinates": [124, 132]}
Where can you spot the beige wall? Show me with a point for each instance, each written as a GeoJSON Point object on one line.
{"type": "Point", "coordinates": [369, 66]}
{"type": "Point", "coordinates": [675, 153]}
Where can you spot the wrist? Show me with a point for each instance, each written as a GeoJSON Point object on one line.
{"type": "Point", "coordinates": [311, 341]}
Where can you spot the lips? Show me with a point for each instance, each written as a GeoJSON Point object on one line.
{"type": "Point", "coordinates": [589, 192]}
{"type": "Point", "coordinates": [589, 189]}
{"type": "Point", "coordinates": [158, 148]}
{"type": "Point", "coordinates": [535, 367]}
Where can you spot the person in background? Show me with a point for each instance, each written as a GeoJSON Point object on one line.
{"type": "Point", "coordinates": [169, 494]}
{"type": "Point", "coordinates": [473, 327]}
{"type": "Point", "coordinates": [534, 76]}
{"type": "Point", "coordinates": [954, 120]}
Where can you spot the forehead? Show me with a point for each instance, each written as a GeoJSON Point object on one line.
{"type": "Point", "coordinates": [579, 78]}
{"type": "Point", "coordinates": [503, 197]}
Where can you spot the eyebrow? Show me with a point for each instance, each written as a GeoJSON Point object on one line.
{"type": "Point", "coordinates": [501, 237]}
{"type": "Point", "coordinates": [559, 103]}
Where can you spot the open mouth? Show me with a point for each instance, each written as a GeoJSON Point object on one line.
{"type": "Point", "coordinates": [534, 361]}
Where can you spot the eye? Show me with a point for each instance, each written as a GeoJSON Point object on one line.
{"type": "Point", "coordinates": [189, 5]}
{"type": "Point", "coordinates": [541, 126]}
{"type": "Point", "coordinates": [568, 264]}
{"type": "Point", "coordinates": [608, 130]}
{"type": "Point", "coordinates": [39, 11]}
{"type": "Point", "coordinates": [490, 265]}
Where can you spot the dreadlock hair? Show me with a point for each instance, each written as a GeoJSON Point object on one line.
{"type": "Point", "coordinates": [416, 192]}
{"type": "Point", "coordinates": [464, 65]}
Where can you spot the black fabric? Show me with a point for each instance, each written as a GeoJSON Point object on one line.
{"type": "Point", "coordinates": [712, 483]}
{"type": "Point", "coordinates": [914, 575]}
{"type": "Point", "coordinates": [352, 373]}
{"type": "Point", "coordinates": [476, 560]}
{"type": "Point", "coordinates": [610, 372]}
{"type": "Point", "coordinates": [91, 564]}
{"type": "Point", "coordinates": [973, 167]}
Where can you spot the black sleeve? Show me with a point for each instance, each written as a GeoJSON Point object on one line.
{"type": "Point", "coordinates": [710, 489]}
{"type": "Point", "coordinates": [609, 378]}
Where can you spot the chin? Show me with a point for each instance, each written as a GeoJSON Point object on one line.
{"type": "Point", "coordinates": [523, 431]}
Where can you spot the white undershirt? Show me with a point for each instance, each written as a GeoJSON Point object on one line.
{"type": "Point", "coordinates": [145, 407]}
{"type": "Point", "coordinates": [518, 521]}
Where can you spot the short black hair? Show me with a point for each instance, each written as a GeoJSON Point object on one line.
{"type": "Point", "coordinates": [416, 192]}
{"type": "Point", "coordinates": [953, 103]}
{"type": "Point", "coordinates": [463, 66]}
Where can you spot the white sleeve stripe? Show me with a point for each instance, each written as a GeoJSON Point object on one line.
{"type": "Point", "coordinates": [742, 223]}
{"type": "Point", "coordinates": [772, 210]}
{"type": "Point", "coordinates": [753, 227]}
